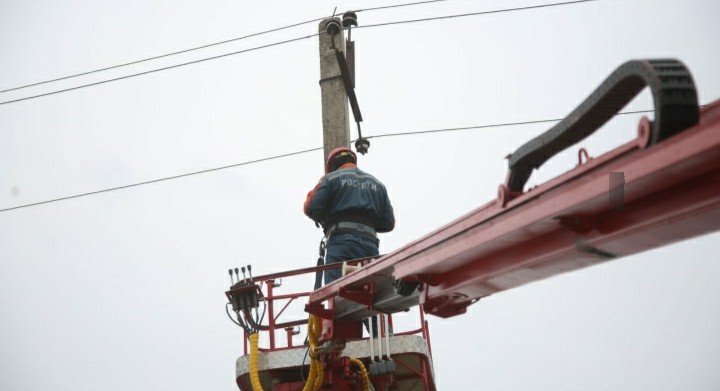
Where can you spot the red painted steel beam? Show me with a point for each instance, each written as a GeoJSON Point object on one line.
{"type": "Point", "coordinates": [671, 193]}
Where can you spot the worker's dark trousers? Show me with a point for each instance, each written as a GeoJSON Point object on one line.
{"type": "Point", "coordinates": [344, 247]}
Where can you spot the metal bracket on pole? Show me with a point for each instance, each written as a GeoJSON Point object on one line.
{"type": "Point", "coordinates": [347, 71]}
{"type": "Point", "coordinates": [349, 85]}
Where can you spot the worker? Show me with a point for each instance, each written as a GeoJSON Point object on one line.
{"type": "Point", "coordinates": [352, 207]}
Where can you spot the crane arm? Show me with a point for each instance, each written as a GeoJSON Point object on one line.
{"type": "Point", "coordinates": [659, 188]}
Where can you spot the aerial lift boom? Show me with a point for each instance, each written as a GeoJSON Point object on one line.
{"type": "Point", "coordinates": [661, 187]}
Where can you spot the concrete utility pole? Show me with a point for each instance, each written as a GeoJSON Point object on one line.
{"type": "Point", "coordinates": [335, 117]}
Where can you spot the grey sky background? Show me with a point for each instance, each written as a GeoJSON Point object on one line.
{"type": "Point", "coordinates": [124, 290]}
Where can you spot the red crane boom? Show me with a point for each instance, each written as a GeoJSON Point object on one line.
{"type": "Point", "coordinates": [660, 188]}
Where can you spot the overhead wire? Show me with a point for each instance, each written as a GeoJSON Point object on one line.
{"type": "Point", "coordinates": [208, 45]}
{"type": "Point", "coordinates": [541, 121]}
{"type": "Point", "coordinates": [453, 16]}
{"type": "Point", "coordinates": [245, 163]}
{"type": "Point", "coordinates": [383, 7]}
{"type": "Point", "coordinates": [159, 56]}
{"type": "Point", "coordinates": [277, 43]}
{"type": "Point", "coordinates": [162, 179]}
{"type": "Point", "coordinates": [293, 40]}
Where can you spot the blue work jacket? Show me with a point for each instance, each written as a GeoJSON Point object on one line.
{"type": "Point", "coordinates": [350, 194]}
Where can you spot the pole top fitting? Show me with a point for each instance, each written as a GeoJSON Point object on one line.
{"type": "Point", "coordinates": [333, 27]}
{"type": "Point", "coordinates": [349, 19]}
{"type": "Point", "coordinates": [362, 144]}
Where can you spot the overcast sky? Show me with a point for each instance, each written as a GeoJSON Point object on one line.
{"type": "Point", "coordinates": [124, 290]}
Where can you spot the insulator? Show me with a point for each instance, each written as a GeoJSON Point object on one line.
{"type": "Point", "coordinates": [332, 27]}
{"type": "Point", "coordinates": [362, 145]}
{"type": "Point", "coordinates": [349, 19]}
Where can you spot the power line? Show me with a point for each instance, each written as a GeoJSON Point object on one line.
{"type": "Point", "coordinates": [245, 163]}
{"type": "Point", "coordinates": [159, 56]}
{"type": "Point", "coordinates": [298, 39]}
{"type": "Point", "coordinates": [541, 121]}
{"type": "Point", "coordinates": [159, 69]}
{"type": "Point", "coordinates": [205, 46]}
{"type": "Point", "coordinates": [162, 179]}
{"type": "Point", "coordinates": [530, 7]}
{"type": "Point", "coordinates": [383, 7]}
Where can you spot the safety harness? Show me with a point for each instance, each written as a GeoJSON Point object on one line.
{"type": "Point", "coordinates": [351, 228]}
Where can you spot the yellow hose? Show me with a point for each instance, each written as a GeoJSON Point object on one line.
{"type": "Point", "coordinates": [254, 376]}
{"type": "Point", "coordinates": [320, 378]}
{"type": "Point", "coordinates": [316, 376]}
{"type": "Point", "coordinates": [363, 373]}
{"type": "Point", "coordinates": [310, 383]}
{"type": "Point", "coordinates": [317, 373]}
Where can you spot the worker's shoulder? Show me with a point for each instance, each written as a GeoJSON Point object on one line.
{"type": "Point", "coordinates": [361, 173]}
{"type": "Point", "coordinates": [351, 172]}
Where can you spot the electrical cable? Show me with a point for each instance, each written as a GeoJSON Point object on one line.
{"type": "Point", "coordinates": [306, 342]}
{"type": "Point", "coordinates": [246, 326]}
{"type": "Point", "coordinates": [382, 7]}
{"type": "Point", "coordinates": [502, 10]}
{"type": "Point", "coordinates": [259, 319]}
{"type": "Point", "coordinates": [205, 46]}
{"type": "Point", "coordinates": [230, 316]}
{"type": "Point", "coordinates": [302, 373]}
{"type": "Point", "coordinates": [162, 179]}
{"type": "Point", "coordinates": [541, 121]}
{"type": "Point", "coordinates": [288, 41]}
{"type": "Point", "coordinates": [292, 154]}
{"type": "Point", "coordinates": [233, 320]}
{"type": "Point", "coordinates": [277, 43]}
{"type": "Point", "coordinates": [262, 317]}
{"type": "Point", "coordinates": [160, 56]}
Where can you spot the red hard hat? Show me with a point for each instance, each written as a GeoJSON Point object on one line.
{"type": "Point", "coordinates": [339, 151]}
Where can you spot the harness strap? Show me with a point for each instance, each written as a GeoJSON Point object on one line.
{"type": "Point", "coordinates": [347, 226]}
